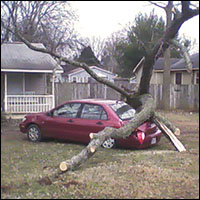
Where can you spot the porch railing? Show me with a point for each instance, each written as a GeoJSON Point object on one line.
{"type": "Point", "coordinates": [29, 103]}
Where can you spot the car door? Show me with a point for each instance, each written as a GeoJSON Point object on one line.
{"type": "Point", "coordinates": [93, 118]}
{"type": "Point", "coordinates": [61, 123]}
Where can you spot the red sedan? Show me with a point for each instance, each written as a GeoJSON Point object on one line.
{"type": "Point", "coordinates": [74, 120]}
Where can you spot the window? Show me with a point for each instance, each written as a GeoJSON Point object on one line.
{"type": "Point", "coordinates": [74, 79]}
{"type": "Point", "coordinates": [178, 78]}
{"type": "Point", "coordinates": [123, 110]}
{"type": "Point", "coordinates": [67, 110]}
{"type": "Point", "coordinates": [91, 111]}
{"type": "Point", "coordinates": [86, 79]}
{"type": "Point", "coordinates": [197, 78]}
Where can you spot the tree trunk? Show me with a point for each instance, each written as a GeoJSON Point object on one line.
{"type": "Point", "coordinates": [166, 81]}
{"type": "Point", "coordinates": [166, 73]}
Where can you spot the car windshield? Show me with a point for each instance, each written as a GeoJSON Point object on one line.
{"type": "Point", "coordinates": [123, 110]}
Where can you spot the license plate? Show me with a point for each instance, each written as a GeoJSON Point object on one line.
{"type": "Point", "coordinates": [153, 141]}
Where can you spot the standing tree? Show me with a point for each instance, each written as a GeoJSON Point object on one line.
{"type": "Point", "coordinates": [142, 34]}
{"type": "Point", "coordinates": [87, 56]}
{"type": "Point", "coordinates": [141, 98]}
{"type": "Point", "coordinates": [171, 12]}
{"type": "Point", "coordinates": [166, 74]}
{"type": "Point", "coordinates": [48, 22]}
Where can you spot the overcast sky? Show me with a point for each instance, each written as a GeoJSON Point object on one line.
{"type": "Point", "coordinates": [102, 18]}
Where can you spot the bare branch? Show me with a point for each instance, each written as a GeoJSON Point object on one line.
{"type": "Point", "coordinates": [158, 5]}
{"type": "Point", "coordinates": [185, 6]}
{"type": "Point", "coordinates": [170, 33]}
{"type": "Point", "coordinates": [185, 54]}
{"type": "Point", "coordinates": [76, 64]}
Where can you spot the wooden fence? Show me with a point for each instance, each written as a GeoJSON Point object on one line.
{"type": "Point", "coordinates": [184, 97]}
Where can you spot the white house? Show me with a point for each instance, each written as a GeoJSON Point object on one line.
{"type": "Point", "coordinates": [25, 74]}
{"type": "Point", "coordinates": [79, 75]}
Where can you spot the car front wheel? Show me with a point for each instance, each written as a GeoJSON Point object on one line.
{"type": "Point", "coordinates": [34, 133]}
{"type": "Point", "coordinates": [109, 143]}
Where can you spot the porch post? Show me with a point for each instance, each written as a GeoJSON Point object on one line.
{"type": "Point", "coordinates": [53, 90]}
{"type": "Point", "coordinates": [5, 94]}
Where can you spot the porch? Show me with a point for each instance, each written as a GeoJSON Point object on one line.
{"type": "Point", "coordinates": [20, 104]}
{"type": "Point", "coordinates": [24, 93]}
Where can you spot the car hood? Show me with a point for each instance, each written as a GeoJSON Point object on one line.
{"type": "Point", "coordinates": [36, 114]}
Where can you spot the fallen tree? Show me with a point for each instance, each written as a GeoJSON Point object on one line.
{"type": "Point", "coordinates": [140, 99]}
{"type": "Point", "coordinates": [97, 139]}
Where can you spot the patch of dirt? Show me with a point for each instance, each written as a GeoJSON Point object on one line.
{"type": "Point", "coordinates": [6, 188]}
{"type": "Point", "coordinates": [66, 185]}
{"type": "Point", "coordinates": [45, 181]}
{"type": "Point", "coordinates": [188, 127]}
{"type": "Point", "coordinates": [10, 130]}
{"type": "Point", "coordinates": [186, 123]}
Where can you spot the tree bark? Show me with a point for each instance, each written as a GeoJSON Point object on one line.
{"type": "Point", "coordinates": [166, 81]}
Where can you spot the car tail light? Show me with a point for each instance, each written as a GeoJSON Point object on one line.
{"type": "Point", "coordinates": [141, 136]}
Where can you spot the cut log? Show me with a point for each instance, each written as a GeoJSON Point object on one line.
{"type": "Point", "coordinates": [91, 135]}
{"type": "Point", "coordinates": [179, 146]}
{"type": "Point", "coordinates": [63, 166]}
{"type": "Point", "coordinates": [92, 149]}
{"type": "Point", "coordinates": [177, 131]}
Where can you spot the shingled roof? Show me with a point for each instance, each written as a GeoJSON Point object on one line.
{"type": "Point", "coordinates": [18, 57]}
{"type": "Point", "coordinates": [177, 63]}
{"type": "Point", "coordinates": [159, 64]}
{"type": "Point", "coordinates": [181, 65]}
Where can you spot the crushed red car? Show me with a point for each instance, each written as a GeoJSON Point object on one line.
{"type": "Point", "coordinates": [74, 120]}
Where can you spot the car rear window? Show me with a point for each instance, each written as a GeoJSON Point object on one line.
{"type": "Point", "coordinates": [123, 110]}
{"type": "Point", "coordinates": [91, 111]}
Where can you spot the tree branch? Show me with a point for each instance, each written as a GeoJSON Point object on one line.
{"type": "Point", "coordinates": [76, 64]}
{"type": "Point", "coordinates": [185, 54]}
{"type": "Point", "coordinates": [161, 46]}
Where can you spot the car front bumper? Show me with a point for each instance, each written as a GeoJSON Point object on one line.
{"type": "Point", "coordinates": [22, 127]}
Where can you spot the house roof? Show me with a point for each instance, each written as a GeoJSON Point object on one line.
{"type": "Point", "coordinates": [91, 67]}
{"type": "Point", "coordinates": [177, 63]}
{"type": "Point", "coordinates": [70, 69]}
{"type": "Point", "coordinates": [67, 68]}
{"type": "Point", "coordinates": [159, 64]}
{"type": "Point", "coordinates": [181, 65]}
{"type": "Point", "coordinates": [17, 57]}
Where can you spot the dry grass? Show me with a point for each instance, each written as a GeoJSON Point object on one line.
{"type": "Point", "coordinates": [159, 172]}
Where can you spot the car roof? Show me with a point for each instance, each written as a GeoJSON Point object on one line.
{"type": "Point", "coordinates": [98, 101]}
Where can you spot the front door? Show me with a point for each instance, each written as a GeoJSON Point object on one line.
{"type": "Point", "coordinates": [61, 124]}
{"type": "Point", "coordinates": [93, 119]}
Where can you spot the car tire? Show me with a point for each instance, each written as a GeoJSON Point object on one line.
{"type": "Point", "coordinates": [109, 143]}
{"type": "Point", "coordinates": [34, 133]}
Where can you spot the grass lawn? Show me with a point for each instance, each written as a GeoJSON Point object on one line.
{"type": "Point", "coordinates": [158, 172]}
